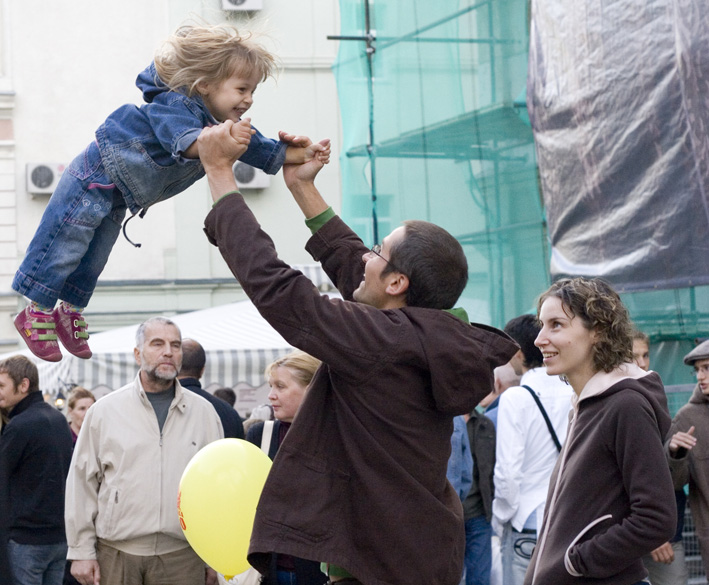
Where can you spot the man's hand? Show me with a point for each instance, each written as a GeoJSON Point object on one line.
{"type": "Point", "coordinates": [682, 440]}
{"type": "Point", "coordinates": [210, 576]}
{"type": "Point", "coordinates": [86, 572]}
{"type": "Point", "coordinates": [223, 144]}
{"type": "Point", "coordinates": [664, 554]}
{"type": "Point", "coordinates": [242, 131]}
{"type": "Point", "coordinates": [218, 150]}
{"type": "Point", "coordinates": [293, 140]}
{"type": "Point", "coordinates": [306, 172]}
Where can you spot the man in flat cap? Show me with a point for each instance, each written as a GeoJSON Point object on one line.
{"type": "Point", "coordinates": [688, 447]}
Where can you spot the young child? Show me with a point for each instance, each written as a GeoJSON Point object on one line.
{"type": "Point", "coordinates": [141, 155]}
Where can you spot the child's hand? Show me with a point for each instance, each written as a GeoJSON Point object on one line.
{"type": "Point", "coordinates": [308, 170]}
{"type": "Point", "coordinates": [242, 131]}
{"type": "Point", "coordinates": [319, 150]}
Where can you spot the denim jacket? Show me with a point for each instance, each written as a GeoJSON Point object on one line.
{"type": "Point", "coordinates": [142, 148]}
{"type": "Point", "coordinates": [460, 462]}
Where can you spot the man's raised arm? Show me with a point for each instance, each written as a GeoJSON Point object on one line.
{"type": "Point", "coordinates": [300, 179]}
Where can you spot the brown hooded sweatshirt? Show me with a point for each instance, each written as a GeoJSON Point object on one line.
{"type": "Point", "coordinates": [610, 498]}
{"type": "Point", "coordinates": [360, 480]}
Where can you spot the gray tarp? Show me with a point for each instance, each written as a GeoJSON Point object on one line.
{"type": "Point", "coordinates": [618, 96]}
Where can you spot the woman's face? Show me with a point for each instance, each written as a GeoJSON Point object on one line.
{"type": "Point", "coordinates": [641, 354]}
{"type": "Point", "coordinates": [77, 414]}
{"type": "Point", "coordinates": [286, 393]}
{"type": "Point", "coordinates": [566, 344]}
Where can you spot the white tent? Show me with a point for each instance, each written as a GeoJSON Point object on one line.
{"type": "Point", "coordinates": [239, 344]}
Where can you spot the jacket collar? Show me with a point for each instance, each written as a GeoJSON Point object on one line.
{"type": "Point", "coordinates": [601, 381]}
{"type": "Point", "coordinates": [178, 401]}
{"type": "Point", "coordinates": [26, 402]}
{"type": "Point", "coordinates": [698, 397]}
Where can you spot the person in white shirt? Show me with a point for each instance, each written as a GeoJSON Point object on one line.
{"type": "Point", "coordinates": [526, 449]}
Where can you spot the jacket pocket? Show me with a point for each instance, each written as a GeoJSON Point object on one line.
{"type": "Point", "coordinates": [309, 519]}
{"type": "Point", "coordinates": [86, 164]}
{"type": "Point", "coordinates": [567, 561]}
{"type": "Point", "coordinates": [106, 511]}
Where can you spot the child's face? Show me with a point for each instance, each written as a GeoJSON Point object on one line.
{"type": "Point", "coordinates": [231, 98]}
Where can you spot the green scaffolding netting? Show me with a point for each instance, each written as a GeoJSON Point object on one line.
{"type": "Point", "coordinates": [435, 127]}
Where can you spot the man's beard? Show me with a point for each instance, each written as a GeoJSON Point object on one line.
{"type": "Point", "coordinates": [156, 376]}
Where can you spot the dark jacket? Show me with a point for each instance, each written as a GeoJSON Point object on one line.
{"type": "Point", "coordinates": [692, 466]}
{"type": "Point", "coordinates": [255, 436]}
{"type": "Point", "coordinates": [481, 432]}
{"type": "Point", "coordinates": [231, 421]}
{"type": "Point", "coordinates": [5, 576]}
{"type": "Point", "coordinates": [360, 481]}
{"type": "Point", "coordinates": [306, 572]}
{"type": "Point", "coordinates": [36, 450]}
{"type": "Point", "coordinates": [610, 499]}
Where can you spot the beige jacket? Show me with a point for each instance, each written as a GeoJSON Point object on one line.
{"type": "Point", "coordinates": [124, 476]}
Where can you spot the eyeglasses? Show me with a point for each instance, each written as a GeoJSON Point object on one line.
{"type": "Point", "coordinates": [377, 251]}
{"type": "Point", "coordinates": [703, 369]}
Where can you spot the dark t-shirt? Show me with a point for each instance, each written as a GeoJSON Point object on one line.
{"type": "Point", "coordinates": [161, 402]}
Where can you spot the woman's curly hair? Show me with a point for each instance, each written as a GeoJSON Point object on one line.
{"type": "Point", "coordinates": [600, 309]}
{"type": "Point", "coordinates": [210, 54]}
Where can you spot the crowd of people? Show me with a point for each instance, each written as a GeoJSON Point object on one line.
{"type": "Point", "coordinates": [408, 444]}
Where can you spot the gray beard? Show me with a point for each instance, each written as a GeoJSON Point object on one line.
{"type": "Point", "coordinates": [154, 376]}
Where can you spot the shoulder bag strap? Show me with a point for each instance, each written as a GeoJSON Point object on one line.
{"type": "Point", "coordinates": [266, 436]}
{"type": "Point", "coordinates": [546, 418]}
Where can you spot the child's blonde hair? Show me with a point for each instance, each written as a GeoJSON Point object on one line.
{"type": "Point", "coordinates": [210, 54]}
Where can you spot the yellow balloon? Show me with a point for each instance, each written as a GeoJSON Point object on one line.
{"type": "Point", "coordinates": [219, 491]}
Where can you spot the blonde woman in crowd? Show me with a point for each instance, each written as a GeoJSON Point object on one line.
{"type": "Point", "coordinates": [289, 378]}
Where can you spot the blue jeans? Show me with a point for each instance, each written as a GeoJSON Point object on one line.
{"type": "Point", "coordinates": [478, 551]}
{"type": "Point", "coordinates": [74, 239]}
{"type": "Point", "coordinates": [286, 578]}
{"type": "Point", "coordinates": [37, 564]}
{"type": "Point", "coordinates": [516, 549]}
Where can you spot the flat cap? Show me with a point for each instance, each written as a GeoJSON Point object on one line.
{"type": "Point", "coordinates": [701, 352]}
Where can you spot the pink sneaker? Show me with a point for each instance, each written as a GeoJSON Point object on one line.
{"type": "Point", "coordinates": [71, 330]}
{"type": "Point", "coordinates": [38, 331]}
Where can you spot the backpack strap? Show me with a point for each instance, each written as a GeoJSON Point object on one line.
{"type": "Point", "coordinates": [266, 436]}
{"type": "Point", "coordinates": [546, 418]}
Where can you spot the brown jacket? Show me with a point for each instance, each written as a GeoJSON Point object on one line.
{"type": "Point", "coordinates": [610, 496]}
{"type": "Point", "coordinates": [693, 466]}
{"type": "Point", "coordinates": [360, 480]}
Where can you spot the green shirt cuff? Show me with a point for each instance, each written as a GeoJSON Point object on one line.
{"type": "Point", "coordinates": [226, 194]}
{"type": "Point", "coordinates": [315, 223]}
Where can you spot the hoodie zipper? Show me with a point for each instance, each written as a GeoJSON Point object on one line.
{"type": "Point", "coordinates": [552, 501]}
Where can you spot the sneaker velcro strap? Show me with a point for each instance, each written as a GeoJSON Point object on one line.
{"type": "Point", "coordinates": [46, 336]}
{"type": "Point", "coordinates": [41, 325]}
{"type": "Point", "coordinates": [81, 334]}
{"type": "Point", "coordinates": [79, 323]}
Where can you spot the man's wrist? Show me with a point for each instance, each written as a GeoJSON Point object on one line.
{"type": "Point", "coordinates": [217, 200]}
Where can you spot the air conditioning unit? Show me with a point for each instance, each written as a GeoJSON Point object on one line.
{"type": "Point", "coordinates": [42, 178]}
{"type": "Point", "coordinates": [242, 5]}
{"type": "Point", "coordinates": [248, 177]}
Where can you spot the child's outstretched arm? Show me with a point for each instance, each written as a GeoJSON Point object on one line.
{"type": "Point", "coordinates": [302, 150]}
